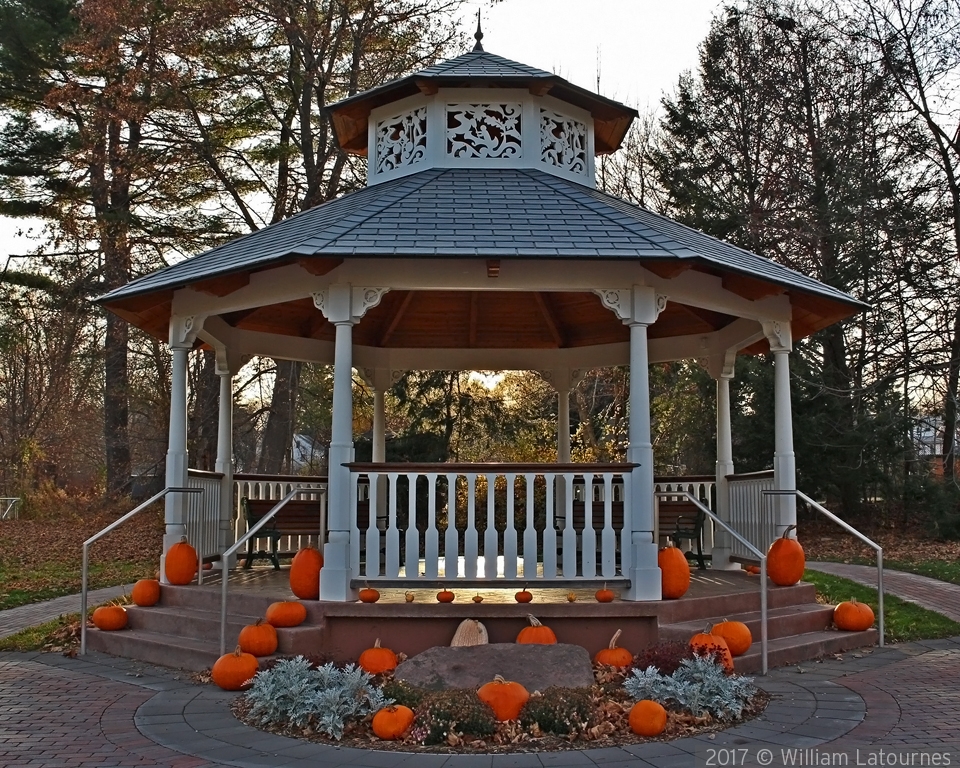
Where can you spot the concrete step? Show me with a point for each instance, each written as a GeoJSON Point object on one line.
{"type": "Point", "coordinates": [804, 647]}
{"type": "Point", "coordinates": [724, 605]}
{"type": "Point", "coordinates": [781, 622]}
{"type": "Point", "coordinates": [165, 650]}
{"type": "Point", "coordinates": [178, 621]}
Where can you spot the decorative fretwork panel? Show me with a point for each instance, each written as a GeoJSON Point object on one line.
{"type": "Point", "coordinates": [490, 131]}
{"type": "Point", "coordinates": [401, 140]}
{"type": "Point", "coordinates": [563, 142]}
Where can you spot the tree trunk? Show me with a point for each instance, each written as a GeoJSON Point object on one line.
{"type": "Point", "coordinates": [278, 434]}
{"type": "Point", "coordinates": [204, 421]}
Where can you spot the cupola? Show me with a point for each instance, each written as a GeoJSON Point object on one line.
{"type": "Point", "coordinates": [480, 110]}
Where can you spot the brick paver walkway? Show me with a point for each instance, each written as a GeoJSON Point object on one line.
{"type": "Point", "coordinates": [103, 711]}
{"type": "Point", "coordinates": [13, 620]}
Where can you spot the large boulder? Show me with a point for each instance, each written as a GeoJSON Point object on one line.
{"type": "Point", "coordinates": [535, 667]}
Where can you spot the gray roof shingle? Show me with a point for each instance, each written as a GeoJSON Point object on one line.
{"type": "Point", "coordinates": [475, 213]}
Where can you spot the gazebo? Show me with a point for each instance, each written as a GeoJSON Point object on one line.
{"type": "Point", "coordinates": [481, 243]}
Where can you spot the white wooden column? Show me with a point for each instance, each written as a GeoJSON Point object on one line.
{"type": "Point", "coordinates": [227, 367]}
{"type": "Point", "coordinates": [784, 460]}
{"type": "Point", "coordinates": [183, 332]}
{"type": "Point", "coordinates": [564, 381]}
{"type": "Point", "coordinates": [723, 371]}
{"type": "Point", "coordinates": [639, 308]}
{"type": "Point", "coordinates": [344, 306]}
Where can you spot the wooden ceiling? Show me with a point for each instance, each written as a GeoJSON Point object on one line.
{"type": "Point", "coordinates": [477, 320]}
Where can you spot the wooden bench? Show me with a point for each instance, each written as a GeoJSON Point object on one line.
{"type": "Point", "coordinates": [298, 517]}
{"type": "Point", "coordinates": [678, 520]}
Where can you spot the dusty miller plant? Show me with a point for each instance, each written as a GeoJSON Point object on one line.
{"type": "Point", "coordinates": [294, 693]}
{"type": "Point", "coordinates": [700, 686]}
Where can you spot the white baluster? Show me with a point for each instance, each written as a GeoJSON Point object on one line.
{"type": "Point", "coordinates": [393, 533]}
{"type": "Point", "coordinates": [625, 534]}
{"type": "Point", "coordinates": [372, 568]}
{"type": "Point", "coordinates": [471, 539]}
{"type": "Point", "coordinates": [608, 539]}
{"type": "Point", "coordinates": [431, 539]}
{"type": "Point", "coordinates": [510, 532]}
{"type": "Point", "coordinates": [451, 543]}
{"type": "Point", "coordinates": [491, 538]}
{"type": "Point", "coordinates": [530, 534]}
{"type": "Point", "coordinates": [569, 534]}
{"type": "Point", "coordinates": [354, 525]}
{"type": "Point", "coordinates": [549, 532]}
{"type": "Point", "coordinates": [588, 541]}
{"type": "Point", "coordinates": [412, 539]}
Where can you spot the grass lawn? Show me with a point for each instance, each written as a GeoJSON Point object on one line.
{"type": "Point", "coordinates": [903, 621]}
{"type": "Point", "coordinates": [54, 579]}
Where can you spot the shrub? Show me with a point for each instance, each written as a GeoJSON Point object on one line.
{"type": "Point", "coordinates": [559, 710]}
{"type": "Point", "coordinates": [699, 686]}
{"type": "Point", "coordinates": [441, 713]}
{"type": "Point", "coordinates": [665, 657]}
{"type": "Point", "coordinates": [294, 693]}
{"type": "Point", "coordinates": [403, 693]}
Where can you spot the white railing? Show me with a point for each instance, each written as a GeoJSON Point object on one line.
{"type": "Point", "coordinates": [276, 487]}
{"type": "Point", "coordinates": [702, 487]}
{"type": "Point", "coordinates": [469, 522]}
{"type": "Point", "coordinates": [752, 511]}
{"type": "Point", "coordinates": [8, 505]}
{"type": "Point", "coordinates": [202, 514]}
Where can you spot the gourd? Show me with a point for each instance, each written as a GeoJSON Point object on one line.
{"type": "Point", "coordinates": [705, 644]}
{"type": "Point", "coordinates": [737, 634]}
{"type": "Point", "coordinates": [180, 564]}
{"type": "Point", "coordinates": [852, 616]}
{"type": "Point", "coordinates": [536, 633]}
{"type": "Point", "coordinates": [146, 592]}
{"type": "Point", "coordinates": [233, 671]}
{"type": "Point", "coordinates": [110, 618]}
{"type": "Point", "coordinates": [258, 639]}
{"type": "Point", "coordinates": [523, 596]}
{"type": "Point", "coordinates": [648, 718]}
{"type": "Point", "coordinates": [504, 697]}
{"type": "Point", "coordinates": [305, 573]}
{"type": "Point", "coordinates": [675, 573]}
{"type": "Point", "coordinates": [470, 632]}
{"type": "Point", "coordinates": [377, 659]}
{"type": "Point", "coordinates": [445, 596]}
{"type": "Point", "coordinates": [287, 613]}
{"type": "Point", "coordinates": [392, 722]}
{"type": "Point", "coordinates": [604, 595]}
{"type": "Point", "coordinates": [785, 560]}
{"type": "Point", "coordinates": [613, 656]}
{"type": "Point", "coordinates": [369, 595]}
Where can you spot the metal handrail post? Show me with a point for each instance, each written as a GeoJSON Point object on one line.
{"type": "Point", "coordinates": [86, 554]}
{"type": "Point", "coordinates": [869, 542]}
{"type": "Point", "coordinates": [224, 559]}
{"type": "Point", "coordinates": [763, 568]}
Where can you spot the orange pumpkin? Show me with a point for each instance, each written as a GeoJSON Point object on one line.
{"type": "Point", "coordinates": [445, 596]}
{"type": "Point", "coordinates": [852, 616]}
{"type": "Point", "coordinates": [305, 573]}
{"type": "Point", "coordinates": [110, 617]}
{"type": "Point", "coordinates": [523, 596]}
{"type": "Point", "coordinates": [648, 718]}
{"type": "Point", "coordinates": [233, 671]}
{"type": "Point", "coordinates": [287, 613]}
{"type": "Point", "coordinates": [536, 633]}
{"type": "Point", "coordinates": [409, 596]}
{"type": "Point", "coordinates": [392, 722]}
{"type": "Point", "coordinates": [376, 660]}
{"type": "Point", "coordinates": [258, 639]}
{"type": "Point", "coordinates": [785, 560]}
{"type": "Point", "coordinates": [613, 656]}
{"type": "Point", "coordinates": [180, 563]}
{"type": "Point", "coordinates": [705, 644]}
{"type": "Point", "coordinates": [146, 592]}
{"type": "Point", "coordinates": [478, 598]}
{"type": "Point", "coordinates": [675, 573]}
{"type": "Point", "coordinates": [753, 570]}
{"type": "Point", "coordinates": [605, 595]}
{"type": "Point", "coordinates": [737, 634]}
{"type": "Point", "coordinates": [369, 595]}
{"type": "Point", "coordinates": [504, 697]}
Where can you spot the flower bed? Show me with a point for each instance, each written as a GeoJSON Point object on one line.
{"type": "Point", "coordinates": [301, 699]}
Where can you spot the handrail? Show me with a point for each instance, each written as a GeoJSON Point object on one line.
{"type": "Point", "coordinates": [86, 554]}
{"type": "Point", "coordinates": [225, 558]}
{"type": "Point", "coordinates": [763, 570]}
{"type": "Point", "coordinates": [491, 467]}
{"type": "Point", "coordinates": [849, 529]}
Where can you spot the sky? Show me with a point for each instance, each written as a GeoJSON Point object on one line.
{"type": "Point", "coordinates": [641, 47]}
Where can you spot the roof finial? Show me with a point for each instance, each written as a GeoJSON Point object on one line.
{"type": "Point", "coordinates": [478, 36]}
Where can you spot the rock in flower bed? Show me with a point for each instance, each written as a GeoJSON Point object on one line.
{"type": "Point", "coordinates": [323, 703]}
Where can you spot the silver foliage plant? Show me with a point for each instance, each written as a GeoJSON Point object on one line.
{"type": "Point", "coordinates": [294, 693]}
{"type": "Point", "coordinates": [699, 686]}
